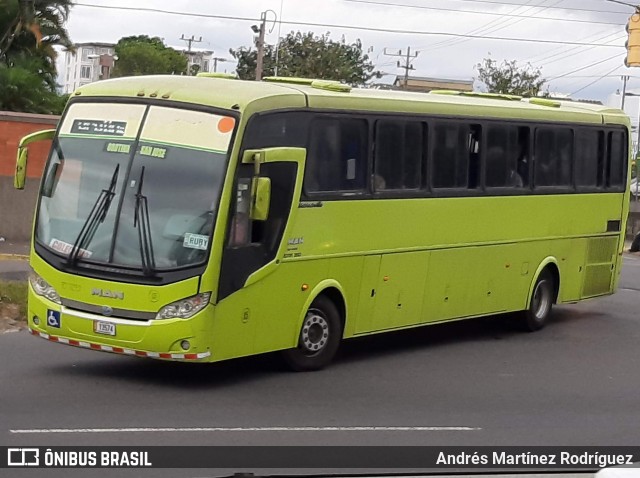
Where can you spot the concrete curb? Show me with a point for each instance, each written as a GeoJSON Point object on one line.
{"type": "Point", "coordinates": [14, 257]}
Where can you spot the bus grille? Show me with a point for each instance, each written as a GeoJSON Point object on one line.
{"type": "Point", "coordinates": [601, 254]}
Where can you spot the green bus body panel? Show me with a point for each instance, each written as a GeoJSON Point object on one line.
{"type": "Point", "coordinates": [216, 92]}
{"type": "Point", "coordinates": [395, 263]}
{"type": "Point", "coordinates": [378, 226]}
{"type": "Point", "coordinates": [137, 297]}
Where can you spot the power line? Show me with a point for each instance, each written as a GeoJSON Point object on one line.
{"type": "Point", "coordinates": [584, 67]}
{"type": "Point", "coordinates": [577, 80]}
{"type": "Point", "coordinates": [562, 54]}
{"type": "Point", "coordinates": [351, 27]}
{"type": "Point", "coordinates": [444, 9]}
{"type": "Point", "coordinates": [504, 23]}
{"type": "Point", "coordinates": [493, 2]}
{"type": "Point", "coordinates": [607, 75]}
{"type": "Point", "coordinates": [595, 81]}
{"type": "Point", "coordinates": [478, 30]}
{"type": "Point", "coordinates": [566, 53]}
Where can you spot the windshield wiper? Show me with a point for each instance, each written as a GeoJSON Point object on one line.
{"type": "Point", "coordinates": [94, 219]}
{"type": "Point", "coordinates": [141, 221]}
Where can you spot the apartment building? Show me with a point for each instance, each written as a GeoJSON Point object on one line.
{"type": "Point", "coordinates": [91, 62]}
{"type": "Point", "coordinates": [95, 61]}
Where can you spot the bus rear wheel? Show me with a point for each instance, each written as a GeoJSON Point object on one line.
{"type": "Point", "coordinates": [319, 337]}
{"type": "Point", "coordinates": [539, 311]}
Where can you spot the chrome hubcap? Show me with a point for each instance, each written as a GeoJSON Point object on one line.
{"type": "Point", "coordinates": [315, 332]}
{"type": "Point", "coordinates": [542, 299]}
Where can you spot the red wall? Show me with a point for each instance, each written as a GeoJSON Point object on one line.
{"type": "Point", "coordinates": [13, 126]}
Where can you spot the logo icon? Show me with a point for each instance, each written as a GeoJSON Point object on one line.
{"type": "Point", "coordinates": [110, 294]}
{"type": "Point", "coordinates": [23, 457]}
{"type": "Point", "coordinates": [53, 318]}
{"type": "Point", "coordinates": [106, 310]}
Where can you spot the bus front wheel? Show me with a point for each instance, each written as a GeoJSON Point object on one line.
{"type": "Point", "coordinates": [539, 311]}
{"type": "Point", "coordinates": [319, 337]}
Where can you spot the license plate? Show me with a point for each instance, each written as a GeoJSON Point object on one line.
{"type": "Point", "coordinates": [105, 328]}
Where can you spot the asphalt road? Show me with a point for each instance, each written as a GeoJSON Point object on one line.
{"type": "Point", "coordinates": [14, 269]}
{"type": "Point", "coordinates": [469, 383]}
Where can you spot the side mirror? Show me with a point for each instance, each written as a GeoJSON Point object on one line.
{"type": "Point", "coordinates": [21, 168]}
{"type": "Point", "coordinates": [261, 192]}
{"type": "Point", "coordinates": [21, 160]}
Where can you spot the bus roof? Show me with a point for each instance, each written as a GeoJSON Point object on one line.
{"type": "Point", "coordinates": [252, 96]}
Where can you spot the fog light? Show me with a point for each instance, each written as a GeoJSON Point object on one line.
{"type": "Point", "coordinates": [185, 345]}
{"type": "Point", "coordinates": [36, 320]}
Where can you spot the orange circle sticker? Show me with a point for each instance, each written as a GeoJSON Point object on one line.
{"type": "Point", "coordinates": [226, 124]}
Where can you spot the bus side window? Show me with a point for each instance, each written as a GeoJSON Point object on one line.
{"type": "Point", "coordinates": [475, 134]}
{"type": "Point", "coordinates": [240, 234]}
{"type": "Point", "coordinates": [398, 155]}
{"type": "Point", "coordinates": [337, 155]}
{"type": "Point", "coordinates": [524, 161]}
{"type": "Point", "coordinates": [506, 158]}
{"type": "Point", "coordinates": [616, 160]}
{"type": "Point", "coordinates": [589, 157]}
{"type": "Point", "coordinates": [455, 155]}
{"type": "Point", "coordinates": [553, 156]}
{"type": "Point", "coordinates": [273, 130]}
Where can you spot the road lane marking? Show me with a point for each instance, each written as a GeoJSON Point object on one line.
{"type": "Point", "coordinates": [245, 429]}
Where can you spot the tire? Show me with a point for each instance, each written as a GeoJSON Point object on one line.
{"type": "Point", "coordinates": [319, 337]}
{"type": "Point", "coordinates": [539, 311]}
{"type": "Point", "coordinates": [635, 245]}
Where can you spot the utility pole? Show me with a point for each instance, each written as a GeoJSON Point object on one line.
{"type": "Point", "coordinates": [275, 68]}
{"type": "Point", "coordinates": [407, 66]}
{"type": "Point", "coordinates": [217, 59]}
{"type": "Point", "coordinates": [624, 90]}
{"type": "Point", "coordinates": [189, 42]}
{"type": "Point", "coordinates": [260, 32]}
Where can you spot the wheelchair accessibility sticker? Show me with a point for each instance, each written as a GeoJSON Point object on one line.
{"type": "Point", "coordinates": [53, 318]}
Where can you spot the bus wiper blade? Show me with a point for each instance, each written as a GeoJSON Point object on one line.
{"type": "Point", "coordinates": [94, 219]}
{"type": "Point", "coordinates": [141, 221]}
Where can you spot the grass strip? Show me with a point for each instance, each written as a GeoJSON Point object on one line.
{"type": "Point", "coordinates": [13, 300]}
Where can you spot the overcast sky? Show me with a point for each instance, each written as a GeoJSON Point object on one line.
{"type": "Point", "coordinates": [439, 56]}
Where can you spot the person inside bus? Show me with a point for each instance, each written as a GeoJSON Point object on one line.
{"type": "Point", "coordinates": [522, 166]}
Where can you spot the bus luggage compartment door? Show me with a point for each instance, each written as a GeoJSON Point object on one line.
{"type": "Point", "coordinates": [392, 290]}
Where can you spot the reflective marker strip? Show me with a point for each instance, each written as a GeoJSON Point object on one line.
{"type": "Point", "coordinates": [120, 350]}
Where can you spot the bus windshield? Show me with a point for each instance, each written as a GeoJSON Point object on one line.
{"type": "Point", "coordinates": [127, 181]}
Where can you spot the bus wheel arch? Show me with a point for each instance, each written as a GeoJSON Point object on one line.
{"type": "Point", "coordinates": [320, 330]}
{"type": "Point", "coordinates": [543, 293]}
{"type": "Point", "coordinates": [335, 295]}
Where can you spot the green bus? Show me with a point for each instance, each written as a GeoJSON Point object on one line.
{"type": "Point", "coordinates": [207, 218]}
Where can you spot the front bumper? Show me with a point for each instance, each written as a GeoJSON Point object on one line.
{"type": "Point", "coordinates": [159, 339]}
{"type": "Point", "coordinates": [120, 350]}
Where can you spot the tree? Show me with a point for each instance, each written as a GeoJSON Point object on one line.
{"type": "Point", "coordinates": [509, 78]}
{"type": "Point", "coordinates": [23, 89]}
{"type": "Point", "coordinates": [308, 56]}
{"type": "Point", "coordinates": [142, 55]}
{"type": "Point", "coordinates": [29, 30]}
{"type": "Point", "coordinates": [40, 23]}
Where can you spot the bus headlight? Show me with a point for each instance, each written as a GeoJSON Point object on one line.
{"type": "Point", "coordinates": [42, 288]}
{"type": "Point", "coordinates": [185, 308]}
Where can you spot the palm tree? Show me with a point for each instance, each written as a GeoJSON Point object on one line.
{"type": "Point", "coordinates": [29, 30]}
{"type": "Point", "coordinates": [26, 25]}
